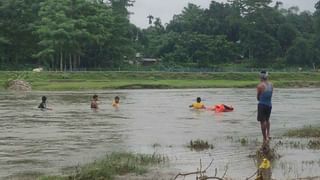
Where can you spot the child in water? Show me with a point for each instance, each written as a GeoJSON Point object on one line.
{"type": "Point", "coordinates": [43, 104]}
{"type": "Point", "coordinates": [116, 102]}
{"type": "Point", "coordinates": [94, 102]}
{"type": "Point", "coordinates": [198, 104]}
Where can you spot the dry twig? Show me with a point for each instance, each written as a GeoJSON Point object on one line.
{"type": "Point", "coordinates": [202, 173]}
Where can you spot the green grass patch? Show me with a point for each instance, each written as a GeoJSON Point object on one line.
{"type": "Point", "coordinates": [112, 165]}
{"type": "Point", "coordinates": [305, 132]}
{"type": "Point", "coordinates": [200, 145]}
{"type": "Point", "coordinates": [56, 81]}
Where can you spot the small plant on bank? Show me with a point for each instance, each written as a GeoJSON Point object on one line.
{"type": "Point", "coordinates": [200, 145]}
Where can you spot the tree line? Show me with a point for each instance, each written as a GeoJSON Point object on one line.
{"type": "Point", "coordinates": [65, 34]}
{"type": "Point", "coordinates": [253, 33]}
{"type": "Point", "coordinates": [75, 34]}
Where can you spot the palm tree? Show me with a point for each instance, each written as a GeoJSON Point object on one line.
{"type": "Point", "coordinates": [150, 17]}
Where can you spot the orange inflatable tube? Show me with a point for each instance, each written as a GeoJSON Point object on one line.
{"type": "Point", "coordinates": [221, 108]}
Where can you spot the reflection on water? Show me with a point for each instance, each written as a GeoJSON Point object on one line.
{"type": "Point", "coordinates": [36, 141]}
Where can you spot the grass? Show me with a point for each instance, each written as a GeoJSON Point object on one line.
{"type": "Point", "coordinates": [200, 145]}
{"type": "Point", "coordinates": [244, 141]}
{"type": "Point", "coordinates": [57, 81]}
{"type": "Point", "coordinates": [305, 132]}
{"type": "Point", "coordinates": [266, 152]}
{"type": "Point", "coordinates": [113, 165]}
{"type": "Point", "coordinates": [314, 144]}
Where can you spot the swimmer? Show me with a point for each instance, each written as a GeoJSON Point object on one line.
{"type": "Point", "coordinates": [43, 104]}
{"type": "Point", "coordinates": [94, 102]}
{"type": "Point", "coordinates": [198, 104]}
{"type": "Point", "coordinates": [116, 102]}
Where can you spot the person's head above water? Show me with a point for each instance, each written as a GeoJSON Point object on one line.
{"type": "Point", "coordinates": [264, 75]}
{"type": "Point", "coordinates": [44, 98]}
{"type": "Point", "coordinates": [198, 100]}
{"type": "Point", "coordinates": [95, 97]}
{"type": "Point", "coordinates": [116, 99]}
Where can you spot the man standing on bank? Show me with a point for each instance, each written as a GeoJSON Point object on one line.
{"type": "Point", "coordinates": [264, 96]}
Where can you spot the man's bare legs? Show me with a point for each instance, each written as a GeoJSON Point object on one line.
{"type": "Point", "coordinates": [264, 130]}
{"type": "Point", "coordinates": [268, 129]}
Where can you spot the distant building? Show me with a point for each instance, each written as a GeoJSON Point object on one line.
{"type": "Point", "coordinates": [140, 60]}
{"type": "Point", "coordinates": [148, 61]}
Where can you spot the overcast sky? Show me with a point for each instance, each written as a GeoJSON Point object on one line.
{"type": "Point", "coordinates": [165, 9]}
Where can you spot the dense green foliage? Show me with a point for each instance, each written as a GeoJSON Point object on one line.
{"type": "Point", "coordinates": [253, 33]}
{"type": "Point", "coordinates": [76, 34]}
{"type": "Point", "coordinates": [64, 34]}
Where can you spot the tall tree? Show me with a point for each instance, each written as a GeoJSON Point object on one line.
{"type": "Point", "coordinates": [66, 27]}
{"type": "Point", "coordinates": [16, 22]}
{"type": "Point", "coordinates": [317, 16]}
{"type": "Point", "coordinates": [248, 7]}
{"type": "Point", "coordinates": [301, 53]}
{"type": "Point", "coordinates": [286, 35]}
{"type": "Point", "coordinates": [150, 18]}
{"type": "Point", "coordinates": [188, 20]}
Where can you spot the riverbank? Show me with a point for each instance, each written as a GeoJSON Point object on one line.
{"type": "Point", "coordinates": [61, 81]}
{"type": "Point", "coordinates": [113, 166]}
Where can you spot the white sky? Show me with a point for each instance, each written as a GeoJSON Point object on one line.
{"type": "Point", "coordinates": [165, 9]}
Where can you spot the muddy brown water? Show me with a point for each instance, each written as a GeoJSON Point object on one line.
{"type": "Point", "coordinates": [148, 121]}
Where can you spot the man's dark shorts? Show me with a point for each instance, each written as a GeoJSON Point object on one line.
{"type": "Point", "coordinates": [264, 112]}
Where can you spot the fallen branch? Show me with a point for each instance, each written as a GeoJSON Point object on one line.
{"type": "Point", "coordinates": [248, 178]}
{"type": "Point", "coordinates": [186, 174]}
{"type": "Point", "coordinates": [225, 172]}
{"type": "Point", "coordinates": [205, 178]}
{"type": "Point", "coordinates": [194, 173]}
{"type": "Point", "coordinates": [202, 173]}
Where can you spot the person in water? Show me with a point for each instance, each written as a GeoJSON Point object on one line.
{"type": "Point", "coordinates": [43, 104]}
{"type": "Point", "coordinates": [94, 102]}
{"type": "Point", "coordinates": [198, 104]}
{"type": "Point", "coordinates": [264, 97]}
{"type": "Point", "coordinates": [221, 108]}
{"type": "Point", "coordinates": [116, 102]}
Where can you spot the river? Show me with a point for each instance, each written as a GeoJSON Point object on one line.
{"type": "Point", "coordinates": [151, 121]}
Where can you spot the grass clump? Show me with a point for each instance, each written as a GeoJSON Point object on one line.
{"type": "Point", "coordinates": [113, 165]}
{"type": "Point", "coordinates": [310, 144]}
{"type": "Point", "coordinates": [314, 144]}
{"type": "Point", "coordinates": [200, 145]}
{"type": "Point", "coordinates": [305, 132]}
{"type": "Point", "coordinates": [265, 151]}
{"type": "Point", "coordinates": [296, 145]}
{"type": "Point", "coordinates": [244, 141]}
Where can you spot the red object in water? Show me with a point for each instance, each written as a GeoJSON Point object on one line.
{"type": "Point", "coordinates": [222, 108]}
